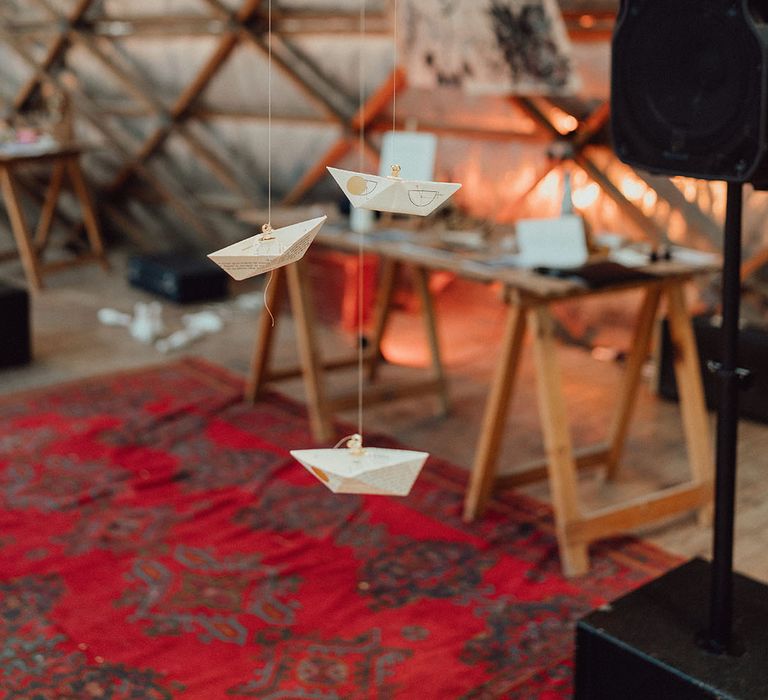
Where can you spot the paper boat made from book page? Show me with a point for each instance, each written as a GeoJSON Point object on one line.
{"type": "Point", "coordinates": [268, 250]}
{"type": "Point", "coordinates": [393, 194]}
{"type": "Point", "coordinates": [373, 470]}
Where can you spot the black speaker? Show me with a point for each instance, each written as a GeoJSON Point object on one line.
{"type": "Point", "coordinates": [689, 88]}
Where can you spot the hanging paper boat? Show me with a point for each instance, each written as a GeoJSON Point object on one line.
{"type": "Point", "coordinates": [269, 249]}
{"type": "Point", "coordinates": [393, 194]}
{"type": "Point", "coordinates": [370, 470]}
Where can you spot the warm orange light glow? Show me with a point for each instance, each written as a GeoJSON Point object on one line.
{"type": "Point", "coordinates": [561, 120]}
{"type": "Point", "coordinates": [586, 21]}
{"type": "Point", "coordinates": [550, 186]}
{"type": "Point", "coordinates": [585, 197]}
{"type": "Point", "coordinates": [649, 200]}
{"type": "Point", "coordinates": [718, 192]}
{"type": "Point", "coordinates": [580, 179]}
{"type": "Point", "coordinates": [565, 123]}
{"type": "Point", "coordinates": [409, 352]}
{"type": "Point", "coordinates": [663, 209]}
{"type": "Point", "coordinates": [478, 193]}
{"type": "Point", "coordinates": [632, 188]}
{"type": "Point", "coordinates": [677, 227]}
{"type": "Point", "coordinates": [503, 195]}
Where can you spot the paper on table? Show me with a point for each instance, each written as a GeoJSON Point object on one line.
{"type": "Point", "coordinates": [265, 252]}
{"type": "Point", "coordinates": [630, 257]}
{"type": "Point", "coordinates": [372, 470]}
{"type": "Point", "coordinates": [34, 148]}
{"type": "Point", "coordinates": [393, 194]}
{"type": "Point", "coordinates": [414, 151]}
{"type": "Point", "coordinates": [558, 243]}
{"type": "Point", "coordinates": [639, 257]}
{"type": "Point", "coordinates": [690, 256]}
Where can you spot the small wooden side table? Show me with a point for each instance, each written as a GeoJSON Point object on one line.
{"type": "Point", "coordinates": [65, 162]}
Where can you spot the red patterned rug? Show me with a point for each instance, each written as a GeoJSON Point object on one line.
{"type": "Point", "coordinates": [159, 542]}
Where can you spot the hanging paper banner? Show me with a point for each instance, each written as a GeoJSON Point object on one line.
{"type": "Point", "coordinates": [487, 47]}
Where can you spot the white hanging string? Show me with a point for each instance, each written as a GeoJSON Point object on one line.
{"type": "Point", "coordinates": [269, 149]}
{"type": "Point", "coordinates": [360, 291]}
{"type": "Point", "coordinates": [394, 76]}
{"type": "Point", "coordinates": [360, 270]}
{"type": "Point", "coordinates": [266, 303]}
{"type": "Point", "coordinates": [269, 114]}
{"type": "Point", "coordinates": [361, 85]}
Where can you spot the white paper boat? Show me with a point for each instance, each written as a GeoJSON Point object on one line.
{"type": "Point", "coordinates": [393, 194]}
{"type": "Point", "coordinates": [267, 250]}
{"type": "Point", "coordinates": [370, 470]}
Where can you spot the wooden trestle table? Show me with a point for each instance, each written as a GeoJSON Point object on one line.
{"type": "Point", "coordinates": [530, 299]}
{"type": "Point", "coordinates": [65, 161]}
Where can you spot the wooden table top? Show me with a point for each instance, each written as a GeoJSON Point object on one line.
{"type": "Point", "coordinates": [32, 155]}
{"type": "Point", "coordinates": [425, 249]}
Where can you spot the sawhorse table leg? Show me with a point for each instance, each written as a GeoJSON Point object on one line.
{"type": "Point", "coordinates": [262, 354]}
{"type": "Point", "coordinates": [90, 220]}
{"type": "Point", "coordinates": [386, 288]}
{"type": "Point", "coordinates": [491, 433]}
{"type": "Point", "coordinates": [575, 528]}
{"type": "Point", "coordinates": [691, 392]}
{"type": "Point", "coordinates": [309, 353]}
{"type": "Point", "coordinates": [21, 232]}
{"type": "Point", "coordinates": [312, 368]}
{"type": "Point", "coordinates": [557, 441]}
{"type": "Point", "coordinates": [387, 282]}
{"type": "Point", "coordinates": [430, 326]}
{"type": "Point", "coordinates": [640, 348]}
{"type": "Point", "coordinates": [31, 248]}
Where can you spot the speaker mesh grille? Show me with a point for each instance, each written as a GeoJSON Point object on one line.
{"type": "Point", "coordinates": [687, 87]}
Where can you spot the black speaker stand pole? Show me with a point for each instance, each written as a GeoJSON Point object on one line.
{"type": "Point", "coordinates": [656, 642]}
{"type": "Point", "coordinates": [719, 637]}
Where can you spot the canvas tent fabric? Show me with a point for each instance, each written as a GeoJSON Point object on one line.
{"type": "Point", "coordinates": [171, 96]}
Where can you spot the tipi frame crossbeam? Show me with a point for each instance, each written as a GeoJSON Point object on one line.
{"type": "Point", "coordinates": [186, 119]}
{"type": "Point", "coordinates": [244, 27]}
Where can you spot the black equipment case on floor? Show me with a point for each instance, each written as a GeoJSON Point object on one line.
{"type": "Point", "coordinates": [182, 278]}
{"type": "Point", "coordinates": [15, 343]}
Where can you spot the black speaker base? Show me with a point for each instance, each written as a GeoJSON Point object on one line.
{"type": "Point", "coordinates": [644, 645]}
